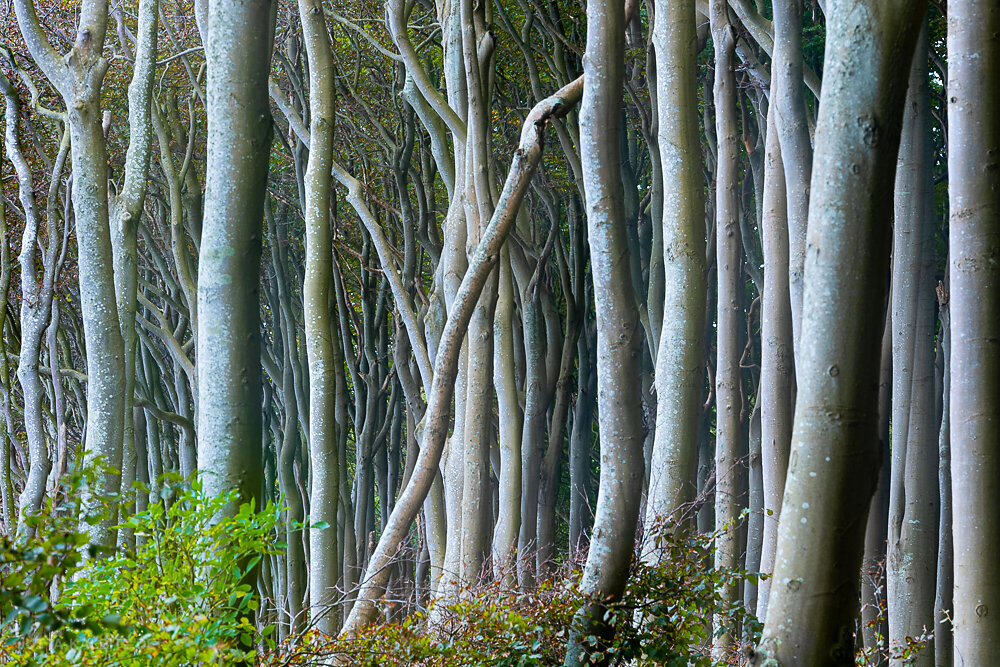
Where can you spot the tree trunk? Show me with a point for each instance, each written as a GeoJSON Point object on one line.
{"type": "Point", "coordinates": [974, 274]}
{"type": "Point", "coordinates": [777, 369]}
{"type": "Point", "coordinates": [833, 464]}
{"type": "Point", "coordinates": [619, 336]}
{"type": "Point", "coordinates": [319, 323]}
{"type": "Point", "coordinates": [788, 102]}
{"type": "Point", "coordinates": [509, 515]}
{"type": "Point", "coordinates": [729, 254]}
{"type": "Point", "coordinates": [913, 520]}
{"type": "Point", "coordinates": [875, 624]}
{"type": "Point", "coordinates": [679, 364]}
{"type": "Point", "coordinates": [238, 55]}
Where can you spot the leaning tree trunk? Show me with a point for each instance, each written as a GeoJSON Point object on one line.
{"type": "Point", "coordinates": [833, 465]}
{"type": "Point", "coordinates": [436, 419]}
{"type": "Point", "coordinates": [619, 336]}
{"type": "Point", "coordinates": [238, 55]}
{"type": "Point", "coordinates": [974, 272]}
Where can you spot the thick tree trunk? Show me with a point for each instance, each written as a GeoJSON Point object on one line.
{"type": "Point", "coordinates": [679, 365]}
{"type": "Point", "coordinates": [619, 336]}
{"type": "Point", "coordinates": [974, 274]}
{"type": "Point", "coordinates": [913, 520]}
{"type": "Point", "coordinates": [238, 55]}
{"type": "Point", "coordinates": [79, 78]}
{"type": "Point", "coordinates": [833, 464]}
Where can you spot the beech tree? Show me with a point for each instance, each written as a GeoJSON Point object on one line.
{"type": "Point", "coordinates": [834, 457]}
{"type": "Point", "coordinates": [973, 237]}
{"type": "Point", "coordinates": [653, 323]}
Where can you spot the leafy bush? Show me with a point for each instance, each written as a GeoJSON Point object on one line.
{"type": "Point", "coordinates": [665, 618]}
{"type": "Point", "coordinates": [35, 563]}
{"type": "Point", "coordinates": [181, 597]}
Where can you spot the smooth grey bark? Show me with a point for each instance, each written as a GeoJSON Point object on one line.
{"type": "Point", "coordinates": [875, 624]}
{"type": "Point", "coordinates": [238, 56]}
{"type": "Point", "coordinates": [974, 275]}
{"type": "Point", "coordinates": [776, 364]}
{"type": "Point", "coordinates": [833, 464]}
{"type": "Point", "coordinates": [619, 337]}
{"type": "Point", "coordinates": [913, 498]}
{"type": "Point", "coordinates": [532, 433]}
{"type": "Point", "coordinates": [729, 443]}
{"type": "Point", "coordinates": [477, 57]}
{"type": "Point", "coordinates": [679, 365]}
{"type": "Point", "coordinates": [510, 423]}
{"type": "Point", "coordinates": [796, 150]}
{"type": "Point", "coordinates": [319, 323]}
{"type": "Point", "coordinates": [944, 641]}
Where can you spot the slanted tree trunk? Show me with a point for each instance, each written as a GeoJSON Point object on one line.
{"type": "Point", "coordinates": [833, 464]}
{"type": "Point", "coordinates": [436, 419]}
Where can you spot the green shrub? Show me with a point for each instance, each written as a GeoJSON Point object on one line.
{"type": "Point", "coordinates": [181, 597]}
{"type": "Point", "coordinates": [665, 618]}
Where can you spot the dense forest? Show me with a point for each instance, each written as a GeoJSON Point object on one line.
{"type": "Point", "coordinates": [500, 332]}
